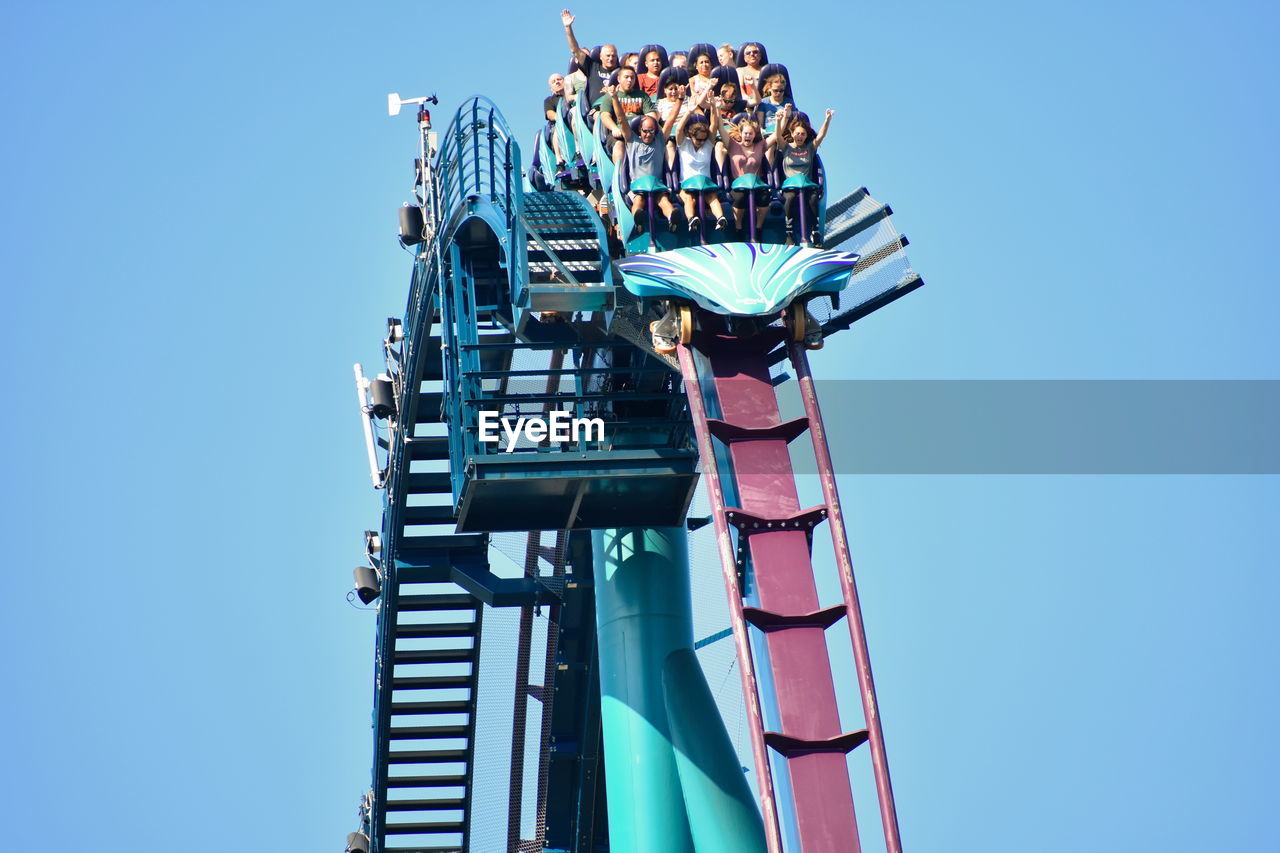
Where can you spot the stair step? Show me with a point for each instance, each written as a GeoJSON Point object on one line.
{"type": "Point", "coordinates": [429, 483]}
{"type": "Point", "coordinates": [426, 732]}
{"type": "Point", "coordinates": [433, 367]}
{"type": "Point", "coordinates": [565, 231]}
{"type": "Point", "coordinates": [424, 827]}
{"type": "Point", "coordinates": [455, 706]}
{"type": "Point", "coordinates": [419, 656]}
{"type": "Point", "coordinates": [427, 447]}
{"type": "Point", "coordinates": [424, 682]}
{"type": "Point", "coordinates": [568, 256]}
{"type": "Point", "coordinates": [439, 803]}
{"type": "Point", "coordinates": [442, 514]}
{"type": "Point", "coordinates": [450, 780]}
{"type": "Point", "coordinates": [429, 403]}
{"type": "Point", "coordinates": [447, 601]}
{"type": "Point", "coordinates": [427, 756]}
{"type": "Point", "coordinates": [436, 629]}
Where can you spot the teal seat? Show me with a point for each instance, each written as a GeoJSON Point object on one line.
{"type": "Point", "coordinates": [748, 182]}
{"type": "Point", "coordinates": [697, 183]}
{"type": "Point", "coordinates": [648, 184]}
{"type": "Point", "coordinates": [798, 182]}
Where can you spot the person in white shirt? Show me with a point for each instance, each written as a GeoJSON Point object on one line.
{"type": "Point", "coordinates": [695, 147]}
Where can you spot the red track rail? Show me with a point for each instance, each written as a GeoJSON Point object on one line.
{"type": "Point", "coordinates": [735, 379]}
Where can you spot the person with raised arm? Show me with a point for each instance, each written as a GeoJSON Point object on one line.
{"type": "Point", "coordinates": [797, 146]}
{"type": "Point", "coordinates": [745, 149]}
{"type": "Point", "coordinates": [695, 149]}
{"type": "Point", "coordinates": [597, 70]}
{"type": "Point", "coordinates": [627, 94]}
{"type": "Point", "coordinates": [645, 159]}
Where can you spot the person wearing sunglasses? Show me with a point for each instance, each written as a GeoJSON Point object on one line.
{"type": "Point", "coordinates": [695, 148]}
{"type": "Point", "coordinates": [751, 59]}
{"type": "Point", "coordinates": [645, 154]}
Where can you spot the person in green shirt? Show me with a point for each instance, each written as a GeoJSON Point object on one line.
{"type": "Point", "coordinates": [627, 96]}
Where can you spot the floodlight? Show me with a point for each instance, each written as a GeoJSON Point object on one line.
{"type": "Point", "coordinates": [368, 587]}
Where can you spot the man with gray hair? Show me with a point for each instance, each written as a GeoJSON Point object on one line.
{"type": "Point", "coordinates": [597, 70]}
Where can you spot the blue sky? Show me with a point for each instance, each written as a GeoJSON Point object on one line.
{"type": "Point", "coordinates": [198, 239]}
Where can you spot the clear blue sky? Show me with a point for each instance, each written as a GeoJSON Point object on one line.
{"type": "Point", "coordinates": [198, 239]}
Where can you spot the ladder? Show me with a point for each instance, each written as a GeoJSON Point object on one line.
{"type": "Point", "coordinates": [753, 493]}
{"type": "Point", "coordinates": [425, 702]}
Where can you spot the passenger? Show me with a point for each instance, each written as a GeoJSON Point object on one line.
{"type": "Point", "coordinates": [701, 61]}
{"type": "Point", "coordinates": [726, 56]}
{"type": "Point", "coordinates": [673, 82]}
{"type": "Point", "coordinates": [679, 59]}
{"type": "Point", "coordinates": [644, 156]}
{"type": "Point", "coordinates": [632, 61]}
{"type": "Point", "coordinates": [727, 102]}
{"type": "Point", "coordinates": [673, 90]}
{"type": "Point", "coordinates": [574, 82]}
{"type": "Point", "coordinates": [751, 58]}
{"type": "Point", "coordinates": [746, 148]}
{"type": "Point", "coordinates": [551, 106]}
{"type": "Point", "coordinates": [630, 97]}
{"type": "Point", "coordinates": [769, 107]}
{"type": "Point", "coordinates": [654, 62]}
{"type": "Point", "coordinates": [598, 70]}
{"type": "Point", "coordinates": [797, 146]}
{"type": "Point", "coordinates": [695, 148]}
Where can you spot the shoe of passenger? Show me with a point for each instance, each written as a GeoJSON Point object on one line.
{"type": "Point", "coordinates": [671, 224]}
{"type": "Point", "coordinates": [639, 227]}
{"type": "Point", "coordinates": [693, 224]}
{"type": "Point", "coordinates": [815, 239]}
{"type": "Point", "coordinates": [790, 241]}
{"type": "Point", "coordinates": [722, 224]}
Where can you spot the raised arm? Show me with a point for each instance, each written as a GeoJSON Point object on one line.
{"type": "Point", "coordinates": [780, 127]}
{"type": "Point", "coordinates": [624, 124]}
{"type": "Point", "coordinates": [680, 123]}
{"type": "Point", "coordinates": [567, 18]}
{"type": "Point", "coordinates": [671, 121]}
{"type": "Point", "coordinates": [822, 131]}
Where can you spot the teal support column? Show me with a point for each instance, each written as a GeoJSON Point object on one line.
{"type": "Point", "coordinates": [673, 781]}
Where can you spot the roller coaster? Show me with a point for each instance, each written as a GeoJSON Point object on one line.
{"type": "Point", "coordinates": [551, 672]}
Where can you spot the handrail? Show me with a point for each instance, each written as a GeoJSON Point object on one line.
{"type": "Point", "coordinates": [478, 158]}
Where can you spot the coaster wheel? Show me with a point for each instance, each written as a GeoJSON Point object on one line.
{"type": "Point", "coordinates": [685, 313]}
{"type": "Point", "coordinates": [795, 321]}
